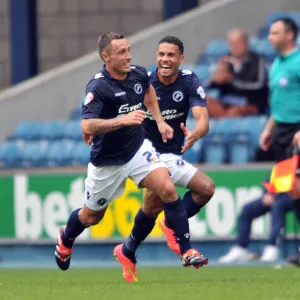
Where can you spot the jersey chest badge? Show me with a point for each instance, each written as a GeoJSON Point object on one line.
{"type": "Point", "coordinates": [177, 96]}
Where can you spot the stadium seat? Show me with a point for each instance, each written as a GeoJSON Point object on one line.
{"type": "Point", "coordinates": [203, 72]}
{"type": "Point", "coordinates": [227, 126]}
{"type": "Point", "coordinates": [80, 154]}
{"type": "Point", "coordinates": [240, 148]}
{"type": "Point", "coordinates": [59, 153]}
{"type": "Point", "coordinates": [76, 114]}
{"type": "Point", "coordinates": [217, 47]}
{"type": "Point", "coordinates": [263, 32]}
{"type": "Point", "coordinates": [262, 46]}
{"type": "Point", "coordinates": [290, 14]}
{"type": "Point", "coordinates": [209, 59]}
{"type": "Point", "coordinates": [72, 130]}
{"type": "Point", "coordinates": [52, 130]}
{"type": "Point", "coordinates": [214, 149]}
{"type": "Point", "coordinates": [253, 125]}
{"type": "Point", "coordinates": [34, 154]}
{"type": "Point", "coordinates": [193, 155]}
{"type": "Point", "coordinates": [27, 130]}
{"type": "Point", "coordinates": [10, 154]}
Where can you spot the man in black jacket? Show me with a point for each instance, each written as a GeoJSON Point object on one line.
{"type": "Point", "coordinates": [242, 80]}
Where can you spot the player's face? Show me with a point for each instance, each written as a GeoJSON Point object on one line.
{"type": "Point", "coordinates": [278, 35]}
{"type": "Point", "coordinates": [118, 57]}
{"type": "Point", "coordinates": [168, 59]}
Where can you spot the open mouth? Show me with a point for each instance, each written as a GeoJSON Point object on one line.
{"type": "Point", "coordinates": [165, 67]}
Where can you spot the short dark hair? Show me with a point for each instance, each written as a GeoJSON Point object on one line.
{"type": "Point", "coordinates": [105, 39]}
{"type": "Point", "coordinates": [173, 40]}
{"type": "Point", "coordinates": [289, 24]}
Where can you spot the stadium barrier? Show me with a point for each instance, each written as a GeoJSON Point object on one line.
{"type": "Point", "coordinates": [36, 203]}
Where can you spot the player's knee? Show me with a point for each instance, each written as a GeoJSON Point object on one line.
{"type": "Point", "coordinates": [168, 191]}
{"type": "Point", "coordinates": [209, 189]}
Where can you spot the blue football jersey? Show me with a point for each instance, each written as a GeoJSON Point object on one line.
{"type": "Point", "coordinates": [108, 98]}
{"type": "Point", "coordinates": [175, 101]}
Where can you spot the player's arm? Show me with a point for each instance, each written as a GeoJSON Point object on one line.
{"type": "Point", "coordinates": [151, 103]}
{"type": "Point", "coordinates": [91, 112]}
{"type": "Point", "coordinates": [200, 114]}
{"type": "Point", "coordinates": [100, 126]}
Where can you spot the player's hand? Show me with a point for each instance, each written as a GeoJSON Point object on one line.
{"type": "Point", "coordinates": [190, 138]}
{"type": "Point", "coordinates": [88, 139]}
{"type": "Point", "coordinates": [135, 117]}
{"type": "Point", "coordinates": [165, 130]}
{"type": "Point", "coordinates": [265, 140]}
{"type": "Point", "coordinates": [296, 139]}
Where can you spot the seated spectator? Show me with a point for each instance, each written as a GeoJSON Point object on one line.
{"type": "Point", "coordinates": [241, 78]}
{"type": "Point", "coordinates": [278, 206]}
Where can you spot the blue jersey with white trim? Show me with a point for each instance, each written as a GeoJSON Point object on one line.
{"type": "Point", "coordinates": [175, 101]}
{"type": "Point", "coordinates": [108, 98]}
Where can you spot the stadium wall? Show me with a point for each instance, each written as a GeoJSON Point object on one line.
{"type": "Point", "coordinates": [55, 93]}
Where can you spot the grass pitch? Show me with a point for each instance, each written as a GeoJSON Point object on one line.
{"type": "Point", "coordinates": [208, 283]}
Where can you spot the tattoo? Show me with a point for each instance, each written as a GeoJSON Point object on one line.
{"type": "Point", "coordinates": [101, 126]}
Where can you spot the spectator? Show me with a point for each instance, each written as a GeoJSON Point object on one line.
{"type": "Point", "coordinates": [278, 205]}
{"type": "Point", "coordinates": [242, 80]}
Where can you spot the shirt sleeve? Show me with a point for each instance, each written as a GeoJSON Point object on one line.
{"type": "Point", "coordinates": [92, 104]}
{"type": "Point", "coordinates": [145, 76]}
{"type": "Point", "coordinates": [196, 92]}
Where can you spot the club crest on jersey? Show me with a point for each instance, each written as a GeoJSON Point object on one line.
{"type": "Point", "coordinates": [88, 98]}
{"type": "Point", "coordinates": [177, 96]}
{"type": "Point", "coordinates": [180, 163]}
{"type": "Point", "coordinates": [138, 88]}
{"type": "Point", "coordinates": [201, 92]}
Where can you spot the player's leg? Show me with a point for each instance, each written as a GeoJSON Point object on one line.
{"type": "Point", "coordinates": [184, 174]}
{"type": "Point", "coordinates": [159, 182]}
{"type": "Point", "coordinates": [282, 205]}
{"type": "Point", "coordinates": [144, 223]}
{"type": "Point", "coordinates": [98, 193]}
{"type": "Point", "coordinates": [250, 212]}
{"type": "Point", "coordinates": [200, 190]}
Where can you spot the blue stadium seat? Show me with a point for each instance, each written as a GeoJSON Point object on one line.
{"type": "Point", "coordinates": [214, 149]}
{"type": "Point", "coordinates": [193, 155]}
{"type": "Point", "coordinates": [10, 154]}
{"type": "Point", "coordinates": [80, 154]}
{"type": "Point", "coordinates": [263, 32]}
{"type": "Point", "coordinates": [263, 47]}
{"type": "Point", "coordinates": [290, 14]}
{"type": "Point", "coordinates": [227, 126]}
{"type": "Point", "coordinates": [203, 72]}
{"type": "Point", "coordinates": [52, 130]}
{"type": "Point", "coordinates": [59, 153]}
{"type": "Point", "coordinates": [208, 59]}
{"type": "Point", "coordinates": [240, 148]}
{"type": "Point", "coordinates": [217, 47]}
{"type": "Point", "coordinates": [76, 114]}
{"type": "Point", "coordinates": [34, 154]}
{"type": "Point", "coordinates": [72, 130]}
{"type": "Point", "coordinates": [27, 130]}
{"type": "Point", "coordinates": [254, 125]}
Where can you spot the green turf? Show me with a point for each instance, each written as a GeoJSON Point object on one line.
{"type": "Point", "coordinates": [209, 283]}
